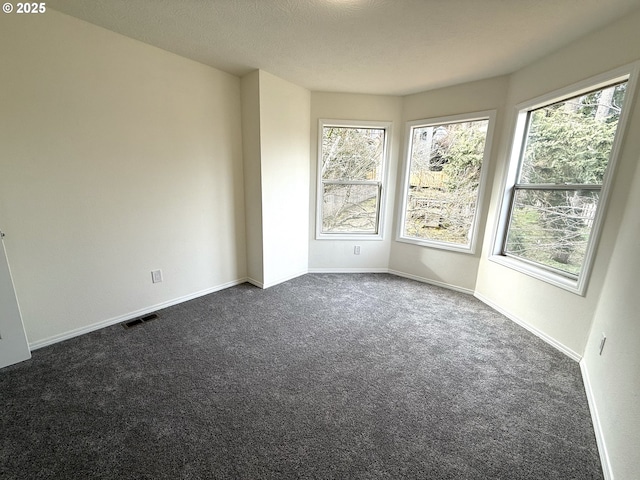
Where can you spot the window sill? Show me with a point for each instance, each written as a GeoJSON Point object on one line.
{"type": "Point", "coordinates": [349, 236]}
{"type": "Point", "coordinates": [577, 287]}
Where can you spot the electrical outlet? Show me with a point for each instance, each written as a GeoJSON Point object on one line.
{"type": "Point", "coordinates": [602, 342]}
{"type": "Point", "coordinates": [156, 276]}
{"type": "Point", "coordinates": [356, 250]}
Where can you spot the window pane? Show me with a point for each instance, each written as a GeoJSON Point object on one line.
{"type": "Point", "coordinates": [571, 141]}
{"type": "Point", "coordinates": [350, 208]}
{"type": "Point", "coordinates": [552, 227]}
{"type": "Point", "coordinates": [352, 153]}
{"type": "Point", "coordinates": [444, 179]}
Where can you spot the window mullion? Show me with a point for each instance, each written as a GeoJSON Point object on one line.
{"type": "Point", "coordinates": [351, 182]}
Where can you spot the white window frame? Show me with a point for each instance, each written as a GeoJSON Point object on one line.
{"type": "Point", "coordinates": [379, 234]}
{"type": "Point", "coordinates": [547, 274]}
{"type": "Point", "coordinates": [470, 247]}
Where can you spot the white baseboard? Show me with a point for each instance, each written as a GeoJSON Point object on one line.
{"type": "Point", "coordinates": [273, 283]}
{"type": "Point", "coordinates": [284, 279]}
{"type": "Point", "coordinates": [393, 272]}
{"type": "Point", "coordinates": [551, 341]}
{"type": "Point", "coordinates": [255, 282]}
{"type": "Point", "coordinates": [144, 311]}
{"type": "Point", "coordinates": [437, 283]}
{"type": "Point", "coordinates": [129, 316]}
{"type": "Point", "coordinates": [349, 270]}
{"type": "Point", "coordinates": [538, 333]}
{"type": "Point", "coordinates": [607, 471]}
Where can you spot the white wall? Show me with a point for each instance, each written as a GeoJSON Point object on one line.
{"type": "Point", "coordinates": [453, 269]}
{"type": "Point", "coordinates": [337, 255]}
{"type": "Point", "coordinates": [284, 142]}
{"type": "Point", "coordinates": [562, 317]}
{"type": "Point", "coordinates": [614, 376]}
{"type": "Point", "coordinates": [116, 158]}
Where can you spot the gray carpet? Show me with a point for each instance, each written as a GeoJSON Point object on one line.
{"type": "Point", "coordinates": [361, 376]}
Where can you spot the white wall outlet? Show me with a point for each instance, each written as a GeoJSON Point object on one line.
{"type": "Point", "coordinates": [356, 250]}
{"type": "Point", "coordinates": [156, 276]}
{"type": "Point", "coordinates": [602, 342]}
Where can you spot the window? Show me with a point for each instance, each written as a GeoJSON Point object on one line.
{"type": "Point", "coordinates": [444, 177]}
{"type": "Point", "coordinates": [562, 159]}
{"type": "Point", "coordinates": [351, 165]}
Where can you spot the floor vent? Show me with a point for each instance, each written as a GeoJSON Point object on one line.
{"type": "Point", "coordinates": [138, 321]}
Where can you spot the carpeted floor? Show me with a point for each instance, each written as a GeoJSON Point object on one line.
{"type": "Point", "coordinates": [329, 376]}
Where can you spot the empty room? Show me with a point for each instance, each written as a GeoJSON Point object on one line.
{"type": "Point", "coordinates": [320, 239]}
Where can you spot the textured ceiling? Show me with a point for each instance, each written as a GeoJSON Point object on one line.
{"type": "Point", "coordinates": [364, 46]}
